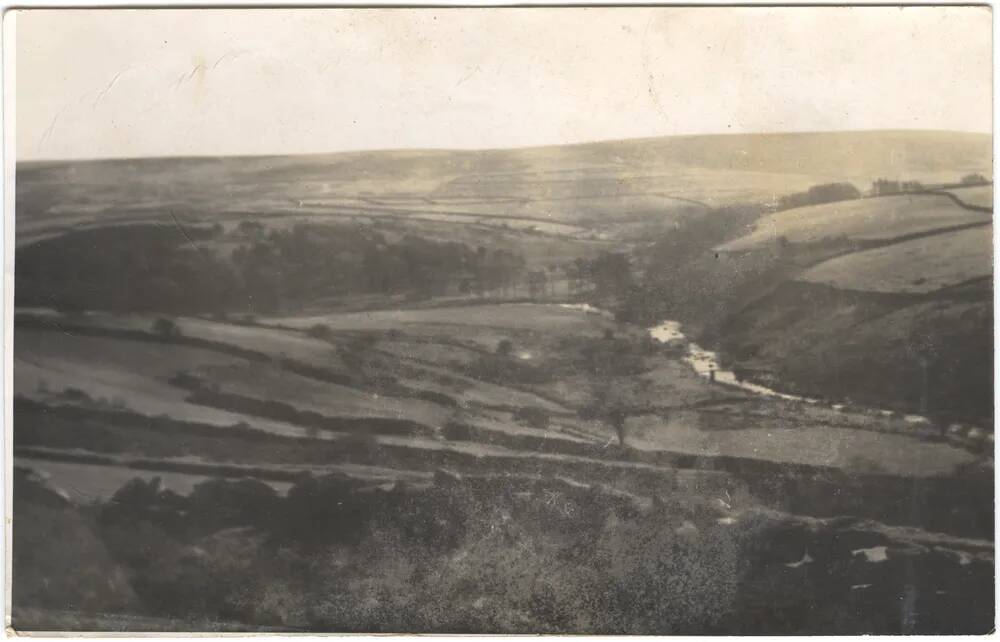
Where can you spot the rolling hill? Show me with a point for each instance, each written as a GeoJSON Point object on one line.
{"type": "Point", "coordinates": [919, 266]}
{"type": "Point", "coordinates": [872, 219]}
{"type": "Point", "coordinates": [600, 181]}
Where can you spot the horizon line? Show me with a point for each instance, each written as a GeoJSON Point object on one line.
{"type": "Point", "coordinates": [209, 156]}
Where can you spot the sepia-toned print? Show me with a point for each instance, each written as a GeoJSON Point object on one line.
{"type": "Point", "coordinates": [647, 320]}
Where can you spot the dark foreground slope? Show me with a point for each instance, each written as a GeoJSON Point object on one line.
{"type": "Point", "coordinates": [476, 555]}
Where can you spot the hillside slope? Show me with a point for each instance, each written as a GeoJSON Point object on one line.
{"type": "Point", "coordinates": [873, 348]}
{"type": "Point", "coordinates": [878, 301]}
{"type": "Point", "coordinates": [861, 220]}
{"type": "Point", "coordinates": [603, 180]}
{"type": "Point", "coordinates": [922, 265]}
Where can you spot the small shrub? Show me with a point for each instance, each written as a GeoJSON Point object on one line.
{"type": "Point", "coordinates": [359, 442]}
{"type": "Point", "coordinates": [320, 331]}
{"type": "Point", "coordinates": [437, 397]}
{"type": "Point", "coordinates": [221, 503]}
{"type": "Point", "coordinates": [75, 394]}
{"type": "Point", "coordinates": [532, 417]}
{"type": "Point", "coordinates": [325, 509]}
{"type": "Point", "coordinates": [454, 431]}
{"type": "Point", "coordinates": [165, 327]}
{"type": "Point", "coordinates": [505, 348]}
{"type": "Point", "coordinates": [59, 560]}
{"type": "Point", "coordinates": [186, 381]}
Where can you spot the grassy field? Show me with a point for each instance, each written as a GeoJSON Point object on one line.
{"type": "Point", "coordinates": [914, 267]}
{"type": "Point", "coordinates": [482, 327]}
{"type": "Point", "coordinates": [978, 196]}
{"type": "Point", "coordinates": [538, 317]}
{"type": "Point", "coordinates": [274, 343]}
{"type": "Point", "coordinates": [263, 382]}
{"type": "Point", "coordinates": [791, 442]}
{"type": "Point", "coordinates": [112, 373]}
{"type": "Point", "coordinates": [870, 219]}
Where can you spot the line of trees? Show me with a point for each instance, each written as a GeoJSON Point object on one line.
{"type": "Point", "coordinates": [885, 186]}
{"type": "Point", "coordinates": [819, 194]}
{"type": "Point", "coordinates": [833, 192]}
{"type": "Point", "coordinates": [253, 269]}
{"type": "Point", "coordinates": [197, 270]}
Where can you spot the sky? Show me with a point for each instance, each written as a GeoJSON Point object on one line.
{"type": "Point", "coordinates": [127, 83]}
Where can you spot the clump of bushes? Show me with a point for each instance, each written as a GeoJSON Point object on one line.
{"type": "Point", "coordinates": [475, 554]}
{"type": "Point", "coordinates": [360, 442]}
{"type": "Point", "coordinates": [439, 398]}
{"type": "Point", "coordinates": [819, 194]}
{"type": "Point", "coordinates": [186, 381]}
{"type": "Point", "coordinates": [455, 431]}
{"type": "Point", "coordinates": [532, 417]}
{"type": "Point", "coordinates": [320, 331]}
{"type": "Point", "coordinates": [59, 559]}
{"type": "Point", "coordinates": [167, 328]}
{"type": "Point", "coordinates": [505, 347]}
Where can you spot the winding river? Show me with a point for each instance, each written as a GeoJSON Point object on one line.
{"type": "Point", "coordinates": [704, 362]}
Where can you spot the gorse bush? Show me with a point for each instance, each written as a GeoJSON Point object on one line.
{"type": "Point", "coordinates": [470, 559]}
{"type": "Point", "coordinates": [464, 555]}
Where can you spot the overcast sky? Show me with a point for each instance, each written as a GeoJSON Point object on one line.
{"type": "Point", "coordinates": [142, 83]}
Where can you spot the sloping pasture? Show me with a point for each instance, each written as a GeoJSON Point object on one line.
{"type": "Point", "coordinates": [913, 267]}
{"type": "Point", "coordinates": [870, 219]}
